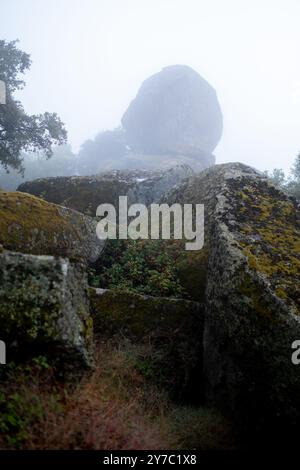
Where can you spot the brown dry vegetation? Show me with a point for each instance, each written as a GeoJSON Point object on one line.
{"type": "Point", "coordinates": [112, 408]}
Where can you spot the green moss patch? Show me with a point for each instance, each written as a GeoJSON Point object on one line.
{"type": "Point", "coordinates": [30, 225]}
{"type": "Point", "coordinates": [269, 234]}
{"type": "Point", "coordinates": [171, 329]}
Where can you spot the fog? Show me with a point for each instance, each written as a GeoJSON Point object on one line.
{"type": "Point", "coordinates": [90, 57]}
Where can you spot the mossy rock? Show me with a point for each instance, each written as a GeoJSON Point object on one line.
{"type": "Point", "coordinates": [192, 272]}
{"type": "Point", "coordinates": [44, 309]}
{"type": "Point", "coordinates": [82, 193]}
{"type": "Point", "coordinates": [252, 298]}
{"type": "Point", "coordinates": [30, 225]}
{"type": "Point", "coordinates": [86, 193]}
{"type": "Point", "coordinates": [269, 226]}
{"type": "Point", "coordinates": [173, 328]}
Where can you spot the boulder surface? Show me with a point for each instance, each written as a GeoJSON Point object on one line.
{"type": "Point", "coordinates": [172, 327]}
{"type": "Point", "coordinates": [252, 295]}
{"type": "Point", "coordinates": [31, 225]}
{"type": "Point", "coordinates": [86, 193]}
{"type": "Point", "coordinates": [175, 111]}
{"type": "Point", "coordinates": [44, 309]}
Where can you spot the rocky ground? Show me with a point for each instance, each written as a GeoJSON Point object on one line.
{"type": "Point", "coordinates": [204, 337]}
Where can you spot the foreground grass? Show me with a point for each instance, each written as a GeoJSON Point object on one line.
{"type": "Point", "coordinates": [114, 407]}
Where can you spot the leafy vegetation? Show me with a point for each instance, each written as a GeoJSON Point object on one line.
{"type": "Point", "coordinates": [19, 131]}
{"type": "Point", "coordinates": [106, 151]}
{"type": "Point", "coordinates": [28, 394]}
{"type": "Point", "coordinates": [142, 266]}
{"type": "Point", "coordinates": [290, 184]}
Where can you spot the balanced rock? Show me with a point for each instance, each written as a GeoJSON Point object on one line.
{"type": "Point", "coordinates": [175, 111]}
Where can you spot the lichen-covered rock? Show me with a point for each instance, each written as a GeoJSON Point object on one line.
{"type": "Point", "coordinates": [156, 185]}
{"type": "Point", "coordinates": [86, 193]}
{"type": "Point", "coordinates": [175, 111]}
{"type": "Point", "coordinates": [173, 327]}
{"type": "Point", "coordinates": [83, 193]}
{"type": "Point", "coordinates": [44, 309]}
{"type": "Point", "coordinates": [252, 295]}
{"type": "Point", "coordinates": [31, 225]}
{"type": "Point", "coordinates": [253, 303]}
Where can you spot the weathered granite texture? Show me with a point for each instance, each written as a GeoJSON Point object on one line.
{"type": "Point", "coordinates": [44, 309]}
{"type": "Point", "coordinates": [175, 111]}
{"type": "Point", "coordinates": [252, 295]}
{"type": "Point", "coordinates": [173, 329]}
{"type": "Point", "coordinates": [30, 225]}
{"type": "Point", "coordinates": [85, 193]}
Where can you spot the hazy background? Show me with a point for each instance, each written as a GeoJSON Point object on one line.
{"type": "Point", "coordinates": [90, 57]}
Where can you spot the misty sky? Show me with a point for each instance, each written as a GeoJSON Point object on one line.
{"type": "Point", "coordinates": [90, 57]}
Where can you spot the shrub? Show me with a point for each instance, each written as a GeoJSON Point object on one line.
{"type": "Point", "coordinates": [142, 266]}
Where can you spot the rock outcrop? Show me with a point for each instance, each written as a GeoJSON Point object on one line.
{"type": "Point", "coordinates": [157, 184]}
{"type": "Point", "coordinates": [252, 295]}
{"type": "Point", "coordinates": [233, 342]}
{"type": "Point", "coordinates": [197, 160]}
{"type": "Point", "coordinates": [44, 309]}
{"type": "Point", "coordinates": [30, 225]}
{"type": "Point", "coordinates": [172, 327]}
{"type": "Point", "coordinates": [175, 112]}
{"type": "Point", "coordinates": [85, 193]}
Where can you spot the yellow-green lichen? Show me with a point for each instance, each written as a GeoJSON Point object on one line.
{"type": "Point", "coordinates": [30, 225]}
{"type": "Point", "coordinates": [269, 225]}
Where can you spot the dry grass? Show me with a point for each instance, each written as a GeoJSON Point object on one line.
{"type": "Point", "coordinates": [114, 408]}
{"type": "Point", "coordinates": [106, 410]}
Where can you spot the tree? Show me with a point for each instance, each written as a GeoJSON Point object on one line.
{"type": "Point", "coordinates": [277, 177]}
{"type": "Point", "coordinates": [62, 163]}
{"type": "Point", "coordinates": [293, 185]}
{"type": "Point", "coordinates": [18, 130]}
{"type": "Point", "coordinates": [296, 168]}
{"type": "Point", "coordinates": [104, 152]}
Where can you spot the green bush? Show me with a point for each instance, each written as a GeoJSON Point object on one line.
{"type": "Point", "coordinates": [141, 266]}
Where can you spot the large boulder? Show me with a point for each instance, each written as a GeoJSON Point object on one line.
{"type": "Point", "coordinates": [252, 296]}
{"type": "Point", "coordinates": [170, 329]}
{"type": "Point", "coordinates": [44, 309]}
{"type": "Point", "coordinates": [195, 159]}
{"type": "Point", "coordinates": [83, 193]}
{"type": "Point", "coordinates": [154, 187]}
{"type": "Point", "coordinates": [175, 111]}
{"type": "Point", "coordinates": [86, 193]}
{"type": "Point", "coordinates": [30, 225]}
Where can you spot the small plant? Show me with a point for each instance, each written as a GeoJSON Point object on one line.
{"type": "Point", "coordinates": [142, 266]}
{"type": "Point", "coordinates": [26, 398]}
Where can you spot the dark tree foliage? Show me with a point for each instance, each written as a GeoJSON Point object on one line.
{"type": "Point", "coordinates": [19, 131]}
